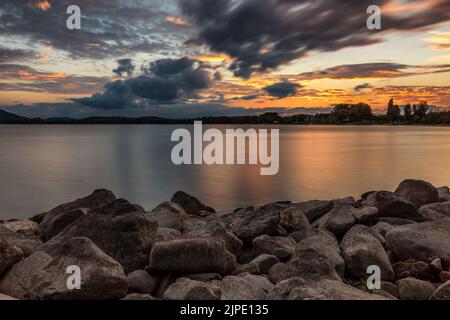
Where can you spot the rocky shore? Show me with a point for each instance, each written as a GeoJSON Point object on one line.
{"type": "Point", "coordinates": [184, 250]}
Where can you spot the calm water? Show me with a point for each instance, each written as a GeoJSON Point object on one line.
{"type": "Point", "coordinates": [43, 166]}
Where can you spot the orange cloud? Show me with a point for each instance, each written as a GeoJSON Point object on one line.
{"type": "Point", "coordinates": [176, 21]}
{"type": "Point", "coordinates": [43, 5]}
{"type": "Point", "coordinates": [26, 75]}
{"type": "Point", "coordinates": [213, 57]}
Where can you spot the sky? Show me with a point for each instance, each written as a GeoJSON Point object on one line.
{"type": "Point", "coordinates": [189, 58]}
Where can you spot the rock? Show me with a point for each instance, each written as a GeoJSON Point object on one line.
{"type": "Point", "coordinates": [390, 288]}
{"type": "Point", "coordinates": [265, 262]}
{"type": "Point", "coordinates": [138, 297]}
{"type": "Point", "coordinates": [216, 230]}
{"type": "Point", "coordinates": [260, 281]}
{"type": "Point", "coordinates": [28, 244]}
{"type": "Point", "coordinates": [314, 209]}
{"type": "Point", "coordinates": [281, 247]}
{"type": "Point", "coordinates": [190, 204]}
{"type": "Point", "coordinates": [444, 276]}
{"type": "Point", "coordinates": [4, 297]}
{"type": "Point", "coordinates": [391, 205]}
{"type": "Point", "coordinates": [338, 221]}
{"type": "Point", "coordinates": [250, 267]}
{"type": "Point", "coordinates": [165, 234]}
{"type": "Point", "coordinates": [396, 222]}
{"type": "Point", "coordinates": [345, 200]}
{"type": "Point", "coordinates": [444, 194]}
{"type": "Point", "coordinates": [365, 215]}
{"type": "Point", "coordinates": [187, 289]}
{"type": "Point", "coordinates": [241, 288]}
{"type": "Point", "coordinates": [170, 215]}
{"type": "Point", "coordinates": [293, 219]}
{"type": "Point", "coordinates": [324, 244]}
{"type": "Point", "coordinates": [140, 281]}
{"type": "Point", "coordinates": [42, 277]}
{"type": "Point", "coordinates": [422, 241]}
{"type": "Point", "coordinates": [415, 289]}
{"type": "Point", "coordinates": [264, 220]}
{"type": "Point", "coordinates": [283, 289]}
{"type": "Point", "coordinates": [192, 256]}
{"type": "Point", "coordinates": [120, 229]}
{"type": "Point", "coordinates": [442, 293]}
{"type": "Point", "coordinates": [9, 255]}
{"type": "Point", "coordinates": [26, 227]}
{"type": "Point", "coordinates": [436, 211]}
{"type": "Point", "coordinates": [382, 228]}
{"type": "Point", "coordinates": [276, 272]}
{"type": "Point", "coordinates": [330, 290]}
{"type": "Point", "coordinates": [203, 277]}
{"type": "Point", "coordinates": [418, 192]}
{"type": "Point", "coordinates": [38, 217]}
{"type": "Point", "coordinates": [62, 216]}
{"type": "Point", "coordinates": [362, 249]}
{"type": "Point", "coordinates": [415, 269]}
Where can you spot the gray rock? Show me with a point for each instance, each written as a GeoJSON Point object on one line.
{"type": "Point", "coordinates": [418, 192]}
{"type": "Point", "coordinates": [436, 211]}
{"type": "Point", "coordinates": [187, 289]}
{"type": "Point", "coordinates": [192, 256]}
{"type": "Point", "coordinates": [415, 289]}
{"type": "Point", "coordinates": [265, 262]}
{"type": "Point", "coordinates": [28, 244]}
{"type": "Point", "coordinates": [293, 219]}
{"type": "Point", "coordinates": [396, 222]}
{"type": "Point", "coordinates": [281, 247]}
{"type": "Point", "coordinates": [442, 293]}
{"type": "Point", "coordinates": [120, 229]}
{"type": "Point", "coordinates": [282, 290]}
{"type": "Point", "coordinates": [422, 241]}
{"type": "Point", "coordinates": [338, 221]}
{"type": "Point", "coordinates": [392, 205]}
{"type": "Point", "coordinates": [241, 288]}
{"type": "Point", "coordinates": [60, 217]}
{"type": "Point", "coordinates": [140, 281]}
{"type": "Point", "coordinates": [170, 215]}
{"type": "Point", "coordinates": [444, 194]}
{"type": "Point", "coordinates": [165, 234]}
{"type": "Point", "coordinates": [190, 204]}
{"type": "Point", "coordinates": [362, 249]}
{"type": "Point", "coordinates": [314, 209]}
{"type": "Point", "coordinates": [390, 288]}
{"type": "Point", "coordinates": [26, 227]}
{"type": "Point", "coordinates": [382, 228]}
{"type": "Point", "coordinates": [42, 277]}
{"type": "Point", "coordinates": [9, 255]}
{"type": "Point", "coordinates": [250, 267]}
{"type": "Point", "coordinates": [365, 215]}
{"type": "Point", "coordinates": [275, 273]}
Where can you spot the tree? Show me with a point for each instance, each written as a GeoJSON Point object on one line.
{"type": "Point", "coordinates": [421, 109]}
{"type": "Point", "coordinates": [407, 110]}
{"type": "Point", "coordinates": [341, 113]}
{"type": "Point", "coordinates": [360, 112]}
{"type": "Point", "coordinates": [393, 111]}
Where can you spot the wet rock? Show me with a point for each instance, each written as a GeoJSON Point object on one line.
{"type": "Point", "coordinates": [9, 255]}
{"type": "Point", "coordinates": [170, 215]}
{"type": "Point", "coordinates": [281, 247]}
{"type": "Point", "coordinates": [60, 217]}
{"type": "Point", "coordinates": [418, 192]}
{"type": "Point", "coordinates": [187, 289]}
{"type": "Point", "coordinates": [28, 244]}
{"type": "Point", "coordinates": [190, 204]}
{"type": "Point", "coordinates": [442, 293]}
{"type": "Point", "coordinates": [140, 281]}
{"type": "Point", "coordinates": [392, 205]}
{"type": "Point", "coordinates": [314, 209]}
{"type": "Point", "coordinates": [362, 249]}
{"type": "Point", "coordinates": [120, 229]}
{"type": "Point", "coordinates": [192, 256]}
{"type": "Point", "coordinates": [422, 241]}
{"type": "Point", "coordinates": [436, 211]}
{"type": "Point", "coordinates": [415, 289]}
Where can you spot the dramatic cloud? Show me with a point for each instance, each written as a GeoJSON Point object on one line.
{"type": "Point", "coordinates": [282, 89]}
{"type": "Point", "coordinates": [125, 66]}
{"type": "Point", "coordinates": [362, 87]}
{"type": "Point", "coordinates": [261, 35]}
{"type": "Point", "coordinates": [165, 81]}
{"type": "Point", "coordinates": [10, 55]}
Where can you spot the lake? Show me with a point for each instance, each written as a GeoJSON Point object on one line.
{"type": "Point", "coordinates": [45, 165]}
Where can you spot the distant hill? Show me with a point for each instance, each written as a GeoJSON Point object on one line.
{"type": "Point", "coordinates": [10, 117]}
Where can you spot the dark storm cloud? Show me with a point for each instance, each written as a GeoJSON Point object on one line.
{"type": "Point", "coordinates": [362, 87]}
{"type": "Point", "coordinates": [264, 34]}
{"type": "Point", "coordinates": [110, 28]}
{"type": "Point", "coordinates": [373, 70]}
{"type": "Point", "coordinates": [10, 55]}
{"type": "Point", "coordinates": [165, 81]}
{"type": "Point", "coordinates": [282, 89]}
{"type": "Point", "coordinates": [125, 67]}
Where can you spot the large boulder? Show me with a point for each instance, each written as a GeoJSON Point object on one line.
{"type": "Point", "coordinates": [421, 241]}
{"type": "Point", "coordinates": [120, 229]}
{"type": "Point", "coordinates": [442, 293]}
{"type": "Point", "coordinates": [314, 209]}
{"type": "Point", "coordinates": [264, 220]}
{"type": "Point", "coordinates": [338, 221]}
{"type": "Point", "coordinates": [417, 192]}
{"type": "Point", "coordinates": [436, 211]}
{"type": "Point", "coordinates": [9, 255]}
{"type": "Point", "coordinates": [361, 249]}
{"type": "Point", "coordinates": [42, 277]}
{"type": "Point", "coordinates": [190, 204]}
{"type": "Point", "coordinates": [392, 205]}
{"type": "Point", "coordinates": [191, 256]}
{"type": "Point", "coordinates": [63, 215]}
{"type": "Point", "coordinates": [140, 281]}
{"type": "Point", "coordinates": [293, 219]}
{"type": "Point", "coordinates": [187, 289]}
{"type": "Point", "coordinates": [27, 243]}
{"type": "Point", "coordinates": [170, 215]}
{"type": "Point", "coordinates": [244, 288]}
{"type": "Point", "coordinates": [281, 247]}
{"type": "Point", "coordinates": [415, 289]}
